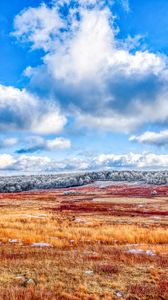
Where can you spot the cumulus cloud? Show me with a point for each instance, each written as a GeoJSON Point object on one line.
{"type": "Point", "coordinates": [96, 77]}
{"type": "Point", "coordinates": [58, 143]}
{"type": "Point", "coordinates": [25, 163]}
{"type": "Point", "coordinates": [109, 161]}
{"type": "Point", "coordinates": [133, 160]}
{"type": "Point", "coordinates": [21, 110]}
{"type": "Point", "coordinates": [40, 25]}
{"type": "Point", "coordinates": [93, 52]}
{"type": "Point", "coordinates": [51, 122]}
{"type": "Point", "coordinates": [152, 138]}
{"type": "Point", "coordinates": [41, 144]}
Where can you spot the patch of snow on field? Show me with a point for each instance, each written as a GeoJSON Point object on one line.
{"type": "Point", "coordinates": [34, 216]}
{"type": "Point", "coordinates": [83, 221]}
{"type": "Point", "coordinates": [13, 241]}
{"type": "Point", "coordinates": [157, 218]}
{"type": "Point", "coordinates": [101, 184]}
{"type": "Point", "coordinates": [41, 244]}
{"type": "Point", "coordinates": [88, 272]}
{"type": "Point", "coordinates": [150, 253]}
{"type": "Point", "coordinates": [106, 183]}
{"type": "Point", "coordinates": [140, 251]}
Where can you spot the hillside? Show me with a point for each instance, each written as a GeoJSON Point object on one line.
{"type": "Point", "coordinates": [52, 181]}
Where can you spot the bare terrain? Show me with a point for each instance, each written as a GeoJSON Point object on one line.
{"type": "Point", "coordinates": [100, 241]}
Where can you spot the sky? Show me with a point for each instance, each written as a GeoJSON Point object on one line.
{"type": "Point", "coordinates": [83, 85]}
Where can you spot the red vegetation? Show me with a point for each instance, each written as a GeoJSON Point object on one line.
{"type": "Point", "coordinates": [113, 190]}
{"type": "Point", "coordinates": [107, 208]}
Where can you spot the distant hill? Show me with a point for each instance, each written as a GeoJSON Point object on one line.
{"type": "Point", "coordinates": [41, 182]}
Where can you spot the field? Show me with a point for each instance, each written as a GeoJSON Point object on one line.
{"type": "Point", "coordinates": [85, 243]}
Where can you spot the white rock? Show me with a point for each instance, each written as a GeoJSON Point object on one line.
{"type": "Point", "coordinates": [140, 251]}
{"type": "Point", "coordinates": [136, 251]}
{"type": "Point", "coordinates": [13, 241]}
{"type": "Point", "coordinates": [150, 253]}
{"type": "Point", "coordinates": [88, 272]}
{"type": "Point", "coordinates": [41, 245]}
{"type": "Point", "coordinates": [119, 294]}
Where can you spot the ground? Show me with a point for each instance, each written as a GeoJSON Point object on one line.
{"type": "Point", "coordinates": [85, 243]}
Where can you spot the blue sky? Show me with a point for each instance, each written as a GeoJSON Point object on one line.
{"type": "Point", "coordinates": [83, 85]}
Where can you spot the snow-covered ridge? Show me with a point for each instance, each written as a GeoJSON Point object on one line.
{"type": "Point", "coordinates": [26, 183]}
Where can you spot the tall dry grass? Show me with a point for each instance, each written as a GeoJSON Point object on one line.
{"type": "Point", "coordinates": [88, 258]}
{"type": "Point", "coordinates": [51, 229]}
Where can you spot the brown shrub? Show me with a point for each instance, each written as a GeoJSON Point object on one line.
{"type": "Point", "coordinates": [108, 268]}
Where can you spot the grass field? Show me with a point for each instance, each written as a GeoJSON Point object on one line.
{"type": "Point", "coordinates": [84, 243]}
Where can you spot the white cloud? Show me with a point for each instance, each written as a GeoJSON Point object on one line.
{"type": "Point", "coordinates": [93, 3]}
{"type": "Point", "coordinates": [152, 138]}
{"type": "Point", "coordinates": [84, 3]}
{"type": "Point", "coordinates": [31, 163]}
{"type": "Point", "coordinates": [129, 160]}
{"type": "Point", "coordinates": [38, 26]}
{"type": "Point", "coordinates": [93, 52]}
{"type": "Point", "coordinates": [25, 163]}
{"type": "Point", "coordinates": [51, 122]}
{"type": "Point", "coordinates": [6, 161]}
{"type": "Point", "coordinates": [58, 143]}
{"type": "Point", "coordinates": [116, 122]}
{"type": "Point", "coordinates": [21, 110]}
{"type": "Point", "coordinates": [133, 160]}
{"type": "Point", "coordinates": [37, 143]}
{"type": "Point", "coordinates": [98, 79]}
{"type": "Point", "coordinates": [83, 56]}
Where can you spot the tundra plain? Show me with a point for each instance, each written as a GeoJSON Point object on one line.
{"type": "Point", "coordinates": [91, 242]}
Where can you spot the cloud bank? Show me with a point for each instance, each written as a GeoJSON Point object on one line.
{"type": "Point", "coordinates": [35, 164]}
{"type": "Point", "coordinates": [99, 79]}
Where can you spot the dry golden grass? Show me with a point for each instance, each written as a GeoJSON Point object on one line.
{"type": "Point", "coordinates": [88, 257]}
{"type": "Point", "coordinates": [31, 226]}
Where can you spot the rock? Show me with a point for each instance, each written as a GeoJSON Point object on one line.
{"type": "Point", "coordinates": [25, 281]}
{"type": "Point", "coordinates": [13, 241]}
{"type": "Point", "coordinates": [119, 294]}
{"type": "Point", "coordinates": [31, 282]}
{"type": "Point", "coordinates": [140, 251]}
{"type": "Point", "coordinates": [41, 244]}
{"type": "Point", "coordinates": [88, 272]}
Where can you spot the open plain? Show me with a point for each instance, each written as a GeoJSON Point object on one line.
{"type": "Point", "coordinates": [91, 242]}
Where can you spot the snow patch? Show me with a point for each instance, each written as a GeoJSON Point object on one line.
{"type": "Point", "coordinates": [34, 216]}
{"type": "Point", "coordinates": [88, 272]}
{"type": "Point", "coordinates": [140, 251]}
{"type": "Point", "coordinates": [13, 241]}
{"type": "Point", "coordinates": [41, 244]}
